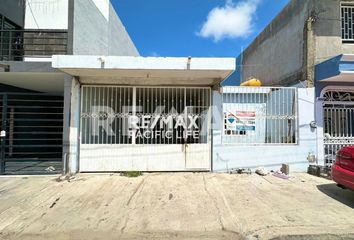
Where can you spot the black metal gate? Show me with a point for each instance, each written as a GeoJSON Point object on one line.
{"type": "Point", "coordinates": [31, 133]}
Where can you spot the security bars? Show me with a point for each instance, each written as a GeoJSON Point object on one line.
{"type": "Point", "coordinates": [33, 133]}
{"type": "Point", "coordinates": [105, 108]}
{"type": "Point", "coordinates": [17, 44]}
{"type": "Point", "coordinates": [163, 115]}
{"type": "Point", "coordinates": [259, 115]}
{"type": "Point", "coordinates": [347, 22]}
{"type": "Point", "coordinates": [338, 114]}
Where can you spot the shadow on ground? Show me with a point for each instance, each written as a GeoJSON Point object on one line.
{"type": "Point", "coordinates": [341, 195]}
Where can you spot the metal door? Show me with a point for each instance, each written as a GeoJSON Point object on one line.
{"type": "Point", "coordinates": [31, 133]}
{"type": "Point", "coordinates": [338, 112]}
{"type": "Point", "coordinates": [171, 132]}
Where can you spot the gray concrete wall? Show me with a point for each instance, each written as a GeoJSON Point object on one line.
{"type": "Point", "coordinates": [94, 34]}
{"type": "Point", "coordinates": [328, 31]}
{"type": "Point", "coordinates": [277, 53]}
{"type": "Point", "coordinates": [13, 10]}
{"type": "Point", "coordinates": [280, 54]}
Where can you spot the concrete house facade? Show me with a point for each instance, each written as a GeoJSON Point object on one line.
{"type": "Point", "coordinates": [77, 97]}
{"type": "Point", "coordinates": [70, 83]}
{"type": "Point", "coordinates": [140, 113]}
{"type": "Point", "coordinates": [310, 44]}
{"type": "Point", "coordinates": [32, 98]}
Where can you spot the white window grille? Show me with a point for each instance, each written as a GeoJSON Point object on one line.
{"type": "Point", "coordinates": [347, 22]}
{"type": "Point", "coordinates": [165, 115]}
{"type": "Point", "coordinates": [104, 114]}
{"type": "Point", "coordinates": [260, 115]}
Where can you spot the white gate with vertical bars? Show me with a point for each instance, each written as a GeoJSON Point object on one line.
{"type": "Point", "coordinates": [338, 113]}
{"type": "Point", "coordinates": [145, 129]}
{"type": "Point", "coordinates": [264, 115]}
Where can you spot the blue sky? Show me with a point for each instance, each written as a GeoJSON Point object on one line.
{"type": "Point", "coordinates": [197, 28]}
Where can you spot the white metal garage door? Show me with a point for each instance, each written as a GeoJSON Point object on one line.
{"type": "Point", "coordinates": [145, 129]}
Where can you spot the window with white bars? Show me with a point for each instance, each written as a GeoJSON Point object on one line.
{"type": "Point", "coordinates": [163, 115]}
{"type": "Point", "coordinates": [260, 115]}
{"type": "Point", "coordinates": [347, 23]}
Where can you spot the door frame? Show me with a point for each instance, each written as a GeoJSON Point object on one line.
{"type": "Point", "coordinates": [334, 143]}
{"type": "Point", "coordinates": [6, 105]}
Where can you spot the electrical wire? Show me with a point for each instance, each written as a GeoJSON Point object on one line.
{"type": "Point", "coordinates": [34, 17]}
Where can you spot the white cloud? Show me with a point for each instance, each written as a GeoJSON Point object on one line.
{"type": "Point", "coordinates": [233, 20]}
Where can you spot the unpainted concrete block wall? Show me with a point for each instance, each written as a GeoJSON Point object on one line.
{"type": "Point", "coordinates": [278, 55]}
{"type": "Point", "coordinates": [328, 31]}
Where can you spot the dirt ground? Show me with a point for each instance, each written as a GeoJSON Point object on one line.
{"type": "Point", "coordinates": [175, 206]}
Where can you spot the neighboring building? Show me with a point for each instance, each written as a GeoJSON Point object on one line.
{"type": "Point", "coordinates": [304, 34]}
{"type": "Point", "coordinates": [36, 30]}
{"type": "Point", "coordinates": [57, 71]}
{"type": "Point", "coordinates": [31, 91]}
{"type": "Point", "coordinates": [12, 16]}
{"type": "Point", "coordinates": [310, 44]}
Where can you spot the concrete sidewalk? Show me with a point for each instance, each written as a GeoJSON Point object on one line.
{"type": "Point", "coordinates": [175, 206]}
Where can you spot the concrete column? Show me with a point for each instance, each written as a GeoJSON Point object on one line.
{"type": "Point", "coordinates": [70, 46]}
{"type": "Point", "coordinates": [71, 129]}
{"type": "Point", "coordinates": [320, 133]}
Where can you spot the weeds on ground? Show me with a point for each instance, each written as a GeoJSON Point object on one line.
{"type": "Point", "coordinates": [131, 174]}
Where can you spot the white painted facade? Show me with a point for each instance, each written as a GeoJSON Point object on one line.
{"type": "Point", "coordinates": [103, 7]}
{"type": "Point", "coordinates": [47, 14]}
{"type": "Point", "coordinates": [214, 155]}
{"type": "Point", "coordinates": [147, 158]}
{"type": "Point", "coordinates": [270, 156]}
{"type": "Point", "coordinates": [182, 73]}
{"type": "Point", "coordinates": [94, 64]}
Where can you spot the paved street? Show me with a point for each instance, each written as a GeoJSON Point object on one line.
{"type": "Point", "coordinates": [174, 206]}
